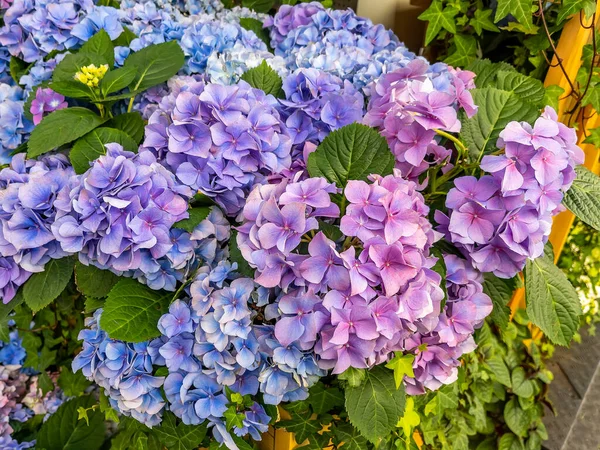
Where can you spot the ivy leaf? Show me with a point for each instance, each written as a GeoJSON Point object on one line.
{"type": "Point", "coordinates": [516, 418]}
{"type": "Point", "coordinates": [496, 109]}
{"type": "Point", "coordinates": [323, 399]}
{"type": "Point", "coordinates": [301, 425]}
{"type": "Point", "coordinates": [105, 407]}
{"type": "Point", "coordinates": [45, 383]}
{"type": "Point", "coordinates": [94, 282]}
{"type": "Point", "coordinates": [197, 215]}
{"type": "Point", "coordinates": [354, 377]}
{"type": "Point", "coordinates": [64, 431]}
{"type": "Point", "coordinates": [131, 123]}
{"type": "Point", "coordinates": [43, 287]}
{"type": "Point", "coordinates": [519, 9]}
{"type": "Point", "coordinates": [401, 365]}
{"type": "Point", "coordinates": [443, 399]}
{"type": "Point", "coordinates": [350, 437]}
{"type": "Point", "coordinates": [179, 436]}
{"type": "Point", "coordinates": [265, 79]}
{"type": "Point", "coordinates": [570, 7]}
{"type": "Point", "coordinates": [61, 127]}
{"type": "Point", "coordinates": [155, 64]}
{"type": "Point", "coordinates": [132, 310]}
{"type": "Point", "coordinates": [256, 26]}
{"type": "Point", "coordinates": [351, 153]}
{"type": "Point", "coordinates": [100, 44]}
{"type": "Point", "coordinates": [91, 146]}
{"type": "Point", "coordinates": [375, 406]}
{"type": "Point", "coordinates": [73, 384]}
{"type": "Point", "coordinates": [235, 255]}
{"type": "Point", "coordinates": [592, 97]}
{"type": "Point", "coordinates": [552, 95]}
{"type": "Point", "coordinates": [552, 302]}
{"type": "Point", "coordinates": [500, 290]}
{"type": "Point", "coordinates": [583, 198]}
{"type": "Point", "coordinates": [438, 18]}
{"type": "Point", "coordinates": [465, 51]}
{"type": "Point", "coordinates": [482, 21]}
{"type": "Point", "coordinates": [260, 6]}
{"type": "Point", "coordinates": [118, 79]}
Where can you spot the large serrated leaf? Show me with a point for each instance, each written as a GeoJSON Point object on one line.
{"type": "Point", "coordinates": [132, 310]}
{"type": "Point", "coordinates": [583, 198]}
{"type": "Point", "coordinates": [265, 79]}
{"type": "Point", "coordinates": [100, 44]}
{"type": "Point", "coordinates": [500, 291]}
{"type": "Point", "coordinates": [496, 108]}
{"type": "Point", "coordinates": [552, 302]}
{"type": "Point", "coordinates": [526, 88]}
{"type": "Point", "coordinates": [155, 64]}
{"type": "Point", "coordinates": [91, 146]}
{"type": "Point", "coordinates": [94, 282]}
{"type": "Point", "coordinates": [351, 153]}
{"type": "Point", "coordinates": [43, 287]}
{"type": "Point", "coordinates": [375, 406]}
{"type": "Point", "coordinates": [131, 123]}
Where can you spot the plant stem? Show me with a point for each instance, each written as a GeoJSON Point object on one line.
{"type": "Point", "coordinates": [459, 145]}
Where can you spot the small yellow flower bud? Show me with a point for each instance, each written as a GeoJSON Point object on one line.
{"type": "Point", "coordinates": [91, 75]}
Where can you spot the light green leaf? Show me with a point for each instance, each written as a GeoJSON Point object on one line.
{"type": "Point", "coordinates": [499, 370]}
{"type": "Point", "coordinates": [552, 95]}
{"type": "Point", "coordinates": [401, 365]}
{"type": "Point", "coordinates": [323, 399]}
{"type": "Point", "coordinates": [43, 287]}
{"type": "Point", "coordinates": [179, 436]}
{"type": "Point", "coordinates": [521, 386]}
{"type": "Point", "coordinates": [592, 97]}
{"type": "Point", "coordinates": [354, 377]}
{"type": "Point", "coordinates": [583, 198]}
{"type": "Point", "coordinates": [465, 51]}
{"type": "Point", "coordinates": [197, 215]}
{"type": "Point", "coordinates": [91, 146]}
{"type": "Point", "coordinates": [61, 127]}
{"type": "Point", "coordinates": [443, 400]}
{"type": "Point", "coordinates": [438, 18]}
{"type": "Point", "coordinates": [375, 406]}
{"type": "Point", "coordinates": [131, 123]}
{"type": "Point", "coordinates": [100, 44]}
{"type": "Point", "coordinates": [94, 282]}
{"type": "Point", "coordinates": [132, 310]}
{"type": "Point", "coordinates": [118, 79]}
{"type": "Point", "coordinates": [500, 291]}
{"type": "Point", "coordinates": [528, 89]}
{"type": "Point", "coordinates": [64, 431]}
{"type": "Point", "coordinates": [509, 441]}
{"type": "Point", "coordinates": [516, 418]}
{"type": "Point", "coordinates": [570, 7]}
{"type": "Point", "coordinates": [265, 79]}
{"type": "Point", "coordinates": [496, 109]}
{"type": "Point", "coordinates": [155, 64]}
{"type": "Point", "coordinates": [521, 10]}
{"type": "Point", "coordinates": [351, 153]}
{"type": "Point", "coordinates": [482, 21]}
{"type": "Point", "coordinates": [552, 302]}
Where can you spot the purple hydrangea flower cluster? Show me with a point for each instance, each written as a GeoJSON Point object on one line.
{"type": "Point", "coordinates": [46, 101]}
{"type": "Point", "coordinates": [124, 370]}
{"type": "Point", "coordinates": [219, 140]}
{"type": "Point", "coordinates": [118, 215]}
{"type": "Point", "coordinates": [28, 191]}
{"type": "Point", "coordinates": [14, 126]}
{"type": "Point", "coordinates": [503, 219]}
{"type": "Point", "coordinates": [408, 105]}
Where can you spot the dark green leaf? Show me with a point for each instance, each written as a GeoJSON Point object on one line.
{"type": "Point", "coordinates": [131, 123]}
{"type": "Point", "coordinates": [444, 399]}
{"type": "Point", "coordinates": [583, 198]}
{"type": "Point", "coordinates": [375, 406]}
{"type": "Point", "coordinates": [235, 255]}
{"type": "Point", "coordinates": [265, 79]}
{"type": "Point", "coordinates": [301, 425]}
{"type": "Point", "coordinates": [100, 44]}
{"type": "Point", "coordinates": [155, 64]}
{"type": "Point", "coordinates": [72, 63]}
{"type": "Point", "coordinates": [125, 38]}
{"type": "Point", "coordinates": [18, 68]}
{"type": "Point", "coordinates": [179, 436]}
{"type": "Point", "coordinates": [7, 308]}
{"type": "Point", "coordinates": [351, 153]}
{"type": "Point", "coordinates": [528, 89]}
{"type": "Point", "coordinates": [197, 215]}
{"type": "Point", "coordinates": [117, 79]}
{"type": "Point", "coordinates": [73, 384]}
{"type": "Point", "coordinates": [91, 146]}
{"type": "Point", "coordinates": [498, 368]}
{"type": "Point", "coordinates": [45, 383]}
{"type": "Point", "coordinates": [521, 385]}
{"type": "Point", "coordinates": [43, 287]}
{"type": "Point", "coordinates": [92, 304]}
{"type": "Point", "coordinates": [94, 282]}
{"type": "Point", "coordinates": [64, 431]}
{"type": "Point", "coordinates": [72, 88]}
{"type": "Point", "coordinates": [438, 18]}
{"type": "Point", "coordinates": [132, 310]}
{"type": "Point", "coordinates": [501, 292]}
{"type": "Point", "coordinates": [261, 6]}
{"type": "Point", "coordinates": [323, 399]}
{"type": "Point", "coordinates": [61, 127]}
{"type": "Point", "coordinates": [516, 418]}
{"type": "Point", "coordinates": [521, 10]}
{"type": "Point", "coordinates": [350, 437]}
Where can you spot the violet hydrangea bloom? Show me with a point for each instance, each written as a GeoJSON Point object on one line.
{"type": "Point", "coordinates": [503, 219]}
{"type": "Point", "coordinates": [46, 101]}
{"type": "Point", "coordinates": [219, 140]}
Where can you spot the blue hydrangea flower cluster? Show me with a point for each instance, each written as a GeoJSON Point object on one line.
{"type": "Point", "coordinates": [12, 352]}
{"type": "Point", "coordinates": [220, 140]}
{"type": "Point", "coordinates": [14, 126]}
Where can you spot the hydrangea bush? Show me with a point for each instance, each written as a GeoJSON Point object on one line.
{"type": "Point", "coordinates": [249, 208]}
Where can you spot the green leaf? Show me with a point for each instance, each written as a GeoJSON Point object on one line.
{"type": "Point", "coordinates": [440, 269]}
{"type": "Point", "coordinates": [499, 370]}
{"type": "Point", "coordinates": [94, 282]}
{"type": "Point", "coordinates": [301, 425]}
{"type": "Point", "coordinates": [91, 146]}
{"type": "Point", "coordinates": [100, 44]}
{"type": "Point", "coordinates": [516, 418]}
{"type": "Point", "coordinates": [375, 406]}
{"type": "Point", "coordinates": [592, 97]}
{"type": "Point", "coordinates": [179, 436]}
{"type": "Point", "coordinates": [261, 6]}
{"type": "Point", "coordinates": [570, 7]}
{"type": "Point", "coordinates": [132, 310]}
{"type": "Point", "coordinates": [323, 399]}
{"type": "Point", "coordinates": [465, 51]}
{"type": "Point", "coordinates": [350, 437]}
{"type": "Point", "coordinates": [73, 384]}
{"type": "Point", "coordinates": [509, 441]}
{"type": "Point", "coordinates": [131, 123]}
{"type": "Point", "coordinates": [496, 109]}
{"type": "Point", "coordinates": [443, 400]}
{"type": "Point", "coordinates": [7, 308]}
{"type": "Point", "coordinates": [351, 153]}
{"type": "Point", "coordinates": [501, 291]}
{"type": "Point", "coordinates": [125, 38]}
{"type": "Point", "coordinates": [72, 88]}
{"type": "Point", "coordinates": [18, 68]}
{"type": "Point", "coordinates": [197, 215]}
{"type": "Point", "coordinates": [438, 18]}
{"type": "Point", "coordinates": [552, 95]}
{"type": "Point", "coordinates": [354, 377]}
{"type": "Point", "coordinates": [552, 302]}
{"type": "Point", "coordinates": [61, 127]}
{"type": "Point", "coordinates": [521, 386]}
{"type": "Point", "coordinates": [482, 21]}
{"type": "Point", "coordinates": [528, 89]}
{"type": "Point", "coordinates": [235, 255]}
{"type": "Point", "coordinates": [155, 64]}
{"type": "Point", "coordinates": [583, 198]}
{"type": "Point", "coordinates": [118, 79]}
{"type": "Point", "coordinates": [92, 304]}
{"type": "Point", "coordinates": [43, 287]}
{"type": "Point", "coordinates": [45, 383]}
{"type": "Point", "coordinates": [105, 407]}
{"type": "Point", "coordinates": [401, 365]}
{"type": "Point", "coordinates": [72, 63]}
{"type": "Point", "coordinates": [265, 79]}
{"type": "Point", "coordinates": [521, 10]}
{"type": "Point", "coordinates": [256, 26]}
{"type": "Point", "coordinates": [64, 431]}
